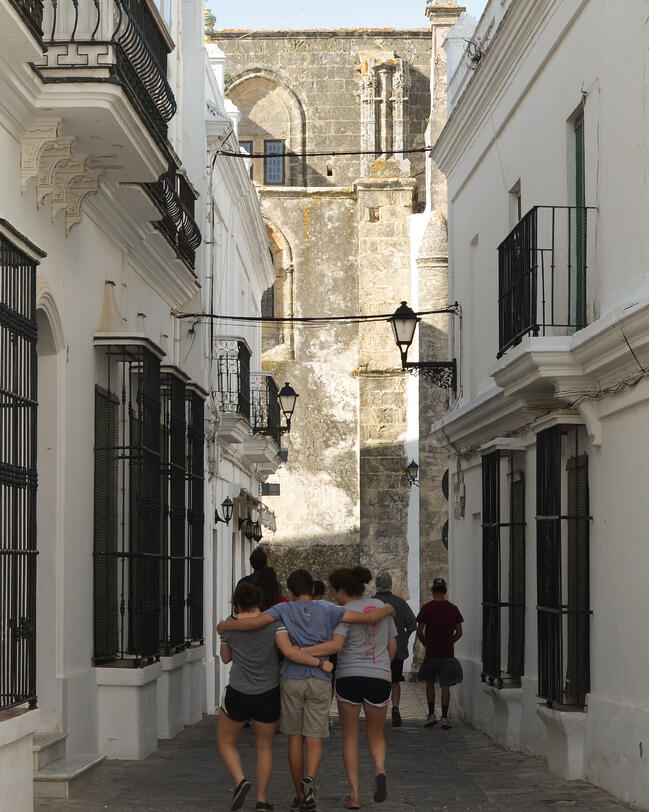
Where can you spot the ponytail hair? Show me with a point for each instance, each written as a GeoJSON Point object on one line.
{"type": "Point", "coordinates": [351, 581]}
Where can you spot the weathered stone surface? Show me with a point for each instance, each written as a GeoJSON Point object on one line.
{"type": "Point", "coordinates": [341, 235]}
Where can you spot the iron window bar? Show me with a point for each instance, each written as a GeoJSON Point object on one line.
{"type": "Point", "coordinates": [195, 516]}
{"type": "Point", "coordinates": [562, 570]}
{"type": "Point", "coordinates": [173, 524]}
{"type": "Point", "coordinates": [264, 407]}
{"type": "Point", "coordinates": [18, 475]}
{"type": "Point", "coordinates": [174, 197]}
{"type": "Point", "coordinates": [128, 550]}
{"type": "Point", "coordinates": [125, 41]}
{"type": "Point", "coordinates": [543, 275]}
{"type": "Point", "coordinates": [493, 672]}
{"type": "Point", "coordinates": [232, 376]}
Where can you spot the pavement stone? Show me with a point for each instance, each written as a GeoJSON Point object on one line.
{"type": "Point", "coordinates": [459, 770]}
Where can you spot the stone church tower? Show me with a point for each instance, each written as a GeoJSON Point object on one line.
{"type": "Point", "coordinates": [351, 234]}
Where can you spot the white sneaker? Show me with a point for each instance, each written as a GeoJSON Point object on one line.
{"type": "Point", "coordinates": [431, 721]}
{"type": "Point", "coordinates": [445, 724]}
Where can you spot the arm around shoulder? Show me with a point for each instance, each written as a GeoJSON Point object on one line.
{"type": "Point", "coordinates": [368, 617]}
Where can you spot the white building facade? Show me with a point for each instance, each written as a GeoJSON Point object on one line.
{"type": "Point", "coordinates": [114, 224]}
{"type": "Point", "coordinates": [545, 155]}
{"type": "Point", "coordinates": [245, 440]}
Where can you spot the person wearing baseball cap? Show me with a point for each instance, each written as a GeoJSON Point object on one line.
{"type": "Point", "coordinates": [439, 627]}
{"type": "Point", "coordinates": [406, 624]}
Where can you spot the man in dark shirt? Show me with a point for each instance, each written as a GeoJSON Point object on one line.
{"type": "Point", "coordinates": [406, 624]}
{"type": "Point", "coordinates": [258, 561]}
{"type": "Point", "coordinates": [439, 627]}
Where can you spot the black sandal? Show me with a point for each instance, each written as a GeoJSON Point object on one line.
{"type": "Point", "coordinates": [263, 805]}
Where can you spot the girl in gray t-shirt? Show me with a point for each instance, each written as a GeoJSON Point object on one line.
{"type": "Point", "coordinates": [363, 677]}
{"type": "Point", "coordinates": [253, 691]}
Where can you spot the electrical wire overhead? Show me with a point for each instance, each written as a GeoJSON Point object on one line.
{"type": "Point", "coordinates": [330, 154]}
{"type": "Point", "coordinates": [311, 320]}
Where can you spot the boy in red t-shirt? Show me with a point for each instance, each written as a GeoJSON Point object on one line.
{"type": "Point", "coordinates": [439, 627]}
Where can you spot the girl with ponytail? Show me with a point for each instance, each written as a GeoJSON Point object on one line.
{"type": "Point", "coordinates": [363, 677]}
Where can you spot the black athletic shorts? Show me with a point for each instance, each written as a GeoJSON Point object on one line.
{"type": "Point", "coordinates": [446, 670]}
{"type": "Point", "coordinates": [264, 707]}
{"type": "Point", "coordinates": [357, 690]}
{"type": "Point", "coordinates": [396, 667]}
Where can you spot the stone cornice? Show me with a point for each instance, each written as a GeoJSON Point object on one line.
{"type": "Point", "coordinates": [517, 34]}
{"type": "Point", "coordinates": [443, 15]}
{"type": "Point", "coordinates": [307, 191]}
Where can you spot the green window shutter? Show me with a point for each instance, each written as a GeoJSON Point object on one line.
{"type": "Point", "coordinates": [580, 225]}
{"type": "Point", "coordinates": [578, 649]}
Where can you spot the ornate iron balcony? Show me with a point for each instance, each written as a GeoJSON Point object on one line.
{"type": "Point", "coordinates": [264, 402]}
{"type": "Point", "coordinates": [175, 198]}
{"type": "Point", "coordinates": [32, 13]}
{"type": "Point", "coordinates": [112, 41]}
{"type": "Point", "coordinates": [543, 274]}
{"type": "Point", "coordinates": [232, 376]}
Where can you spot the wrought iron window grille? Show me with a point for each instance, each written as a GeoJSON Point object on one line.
{"type": "Point", "coordinates": [503, 553]}
{"type": "Point", "coordinates": [264, 407]}
{"type": "Point", "coordinates": [174, 515]}
{"type": "Point", "coordinates": [128, 547]}
{"type": "Point", "coordinates": [195, 516]}
{"type": "Point", "coordinates": [120, 38]}
{"type": "Point", "coordinates": [232, 376]}
{"type": "Point", "coordinates": [543, 274]}
{"type": "Point", "coordinates": [175, 198]}
{"type": "Point", "coordinates": [18, 476]}
{"type": "Point", "coordinates": [563, 590]}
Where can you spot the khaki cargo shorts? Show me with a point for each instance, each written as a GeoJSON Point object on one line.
{"type": "Point", "coordinates": [305, 707]}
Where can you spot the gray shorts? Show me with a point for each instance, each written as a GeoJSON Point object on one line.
{"type": "Point", "coordinates": [446, 670]}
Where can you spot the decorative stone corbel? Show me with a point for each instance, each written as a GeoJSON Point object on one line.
{"type": "Point", "coordinates": [67, 179]}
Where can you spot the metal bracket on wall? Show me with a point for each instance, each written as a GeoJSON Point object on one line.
{"type": "Point", "coordinates": [440, 373]}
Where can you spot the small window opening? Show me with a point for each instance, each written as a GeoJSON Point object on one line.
{"type": "Point", "coordinates": [374, 214]}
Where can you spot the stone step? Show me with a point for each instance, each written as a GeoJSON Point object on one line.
{"type": "Point", "coordinates": [67, 776]}
{"type": "Point", "coordinates": [49, 746]}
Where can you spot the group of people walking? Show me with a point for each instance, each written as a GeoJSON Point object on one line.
{"type": "Point", "coordinates": [282, 673]}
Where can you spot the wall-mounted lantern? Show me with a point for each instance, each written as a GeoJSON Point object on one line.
{"type": "Point", "coordinates": [227, 506]}
{"type": "Point", "coordinates": [287, 401]}
{"type": "Point", "coordinates": [404, 323]}
{"type": "Point", "coordinates": [411, 473]}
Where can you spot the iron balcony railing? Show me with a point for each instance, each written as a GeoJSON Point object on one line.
{"type": "Point", "coordinates": [31, 12]}
{"type": "Point", "coordinates": [543, 274]}
{"type": "Point", "coordinates": [264, 406]}
{"type": "Point", "coordinates": [109, 41]}
{"type": "Point", "coordinates": [175, 199]}
{"type": "Point", "coordinates": [232, 376]}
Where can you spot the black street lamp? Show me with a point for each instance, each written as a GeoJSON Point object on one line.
{"type": "Point", "coordinates": [411, 472]}
{"type": "Point", "coordinates": [287, 400]}
{"type": "Point", "coordinates": [404, 324]}
{"type": "Point", "coordinates": [228, 507]}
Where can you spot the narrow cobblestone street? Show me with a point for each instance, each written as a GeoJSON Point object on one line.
{"type": "Point", "coordinates": [448, 771]}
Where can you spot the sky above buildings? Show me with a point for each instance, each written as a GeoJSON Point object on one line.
{"type": "Point", "coordinates": [258, 14]}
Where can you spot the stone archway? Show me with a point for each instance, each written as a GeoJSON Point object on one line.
{"type": "Point", "coordinates": [278, 341]}
{"type": "Point", "coordinates": [50, 496]}
{"type": "Point", "coordinates": [258, 86]}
